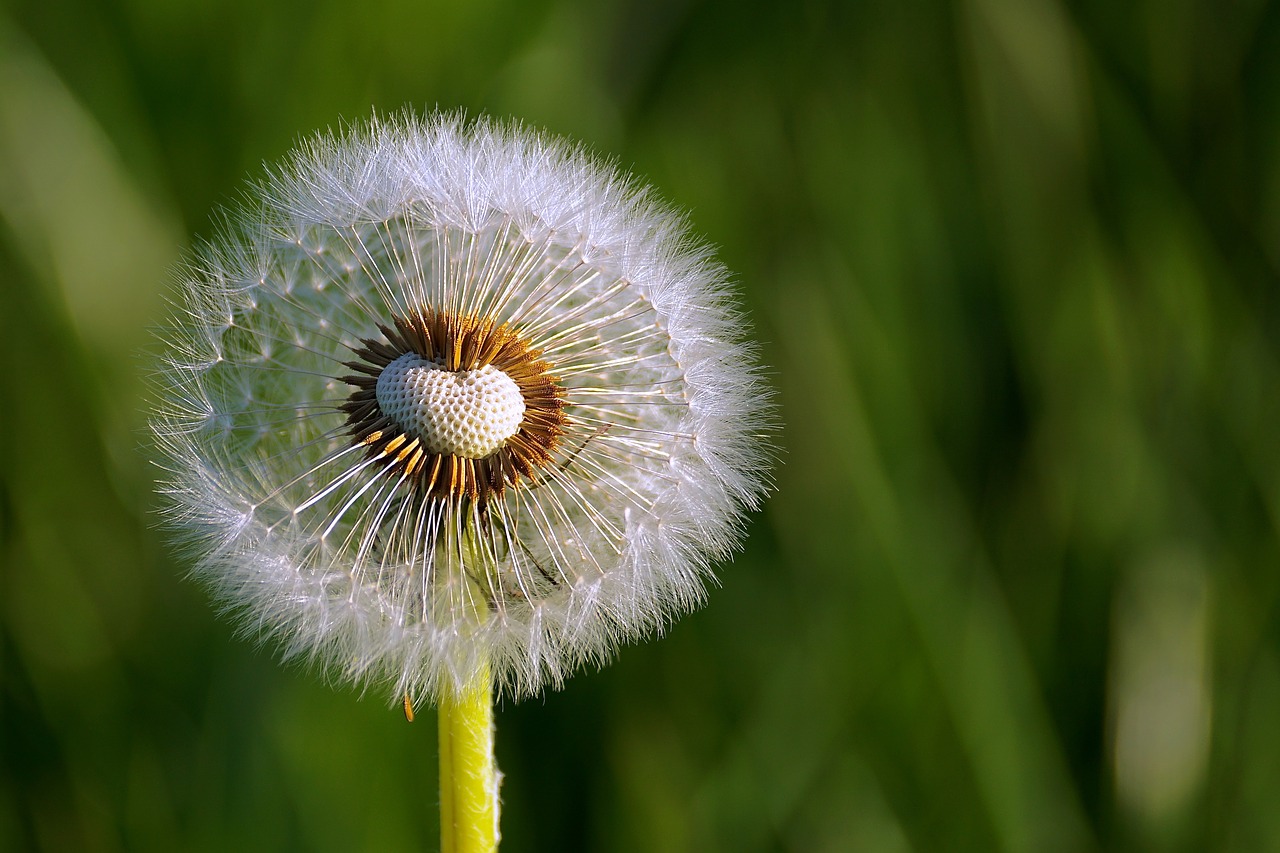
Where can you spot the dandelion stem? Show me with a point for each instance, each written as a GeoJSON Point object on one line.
{"type": "Point", "coordinates": [468, 774]}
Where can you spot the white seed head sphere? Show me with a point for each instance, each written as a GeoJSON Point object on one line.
{"type": "Point", "coordinates": [451, 393]}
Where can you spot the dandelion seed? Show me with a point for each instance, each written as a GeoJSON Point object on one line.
{"type": "Point", "coordinates": [453, 396]}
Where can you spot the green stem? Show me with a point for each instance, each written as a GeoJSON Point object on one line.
{"type": "Point", "coordinates": [468, 774]}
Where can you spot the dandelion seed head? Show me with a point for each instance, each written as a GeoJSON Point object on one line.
{"type": "Point", "coordinates": [450, 392]}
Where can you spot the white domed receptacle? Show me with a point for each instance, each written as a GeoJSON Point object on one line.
{"type": "Point", "coordinates": [467, 413]}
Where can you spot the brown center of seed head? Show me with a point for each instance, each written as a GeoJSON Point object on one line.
{"type": "Point", "coordinates": [463, 345]}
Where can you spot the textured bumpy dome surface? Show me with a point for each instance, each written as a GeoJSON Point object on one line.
{"type": "Point", "coordinates": [468, 413]}
{"type": "Point", "coordinates": [454, 393]}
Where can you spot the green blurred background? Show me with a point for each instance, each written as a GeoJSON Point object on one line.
{"type": "Point", "coordinates": [1014, 264]}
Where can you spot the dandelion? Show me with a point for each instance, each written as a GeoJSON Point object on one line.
{"type": "Point", "coordinates": [452, 404]}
